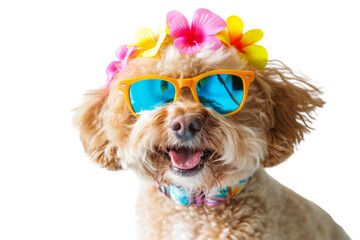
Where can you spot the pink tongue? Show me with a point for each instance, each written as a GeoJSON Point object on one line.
{"type": "Point", "coordinates": [184, 158]}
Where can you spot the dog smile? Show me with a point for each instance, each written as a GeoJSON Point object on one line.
{"type": "Point", "coordinates": [184, 158]}
{"type": "Point", "coordinates": [186, 161]}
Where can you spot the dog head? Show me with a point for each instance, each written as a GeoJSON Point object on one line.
{"type": "Point", "coordinates": [190, 145]}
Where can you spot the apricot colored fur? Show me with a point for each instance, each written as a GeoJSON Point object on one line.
{"type": "Point", "coordinates": [275, 117]}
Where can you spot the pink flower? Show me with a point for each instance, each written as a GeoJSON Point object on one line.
{"type": "Point", "coordinates": [190, 39]}
{"type": "Point", "coordinates": [123, 53]}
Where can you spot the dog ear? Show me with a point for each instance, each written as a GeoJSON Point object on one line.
{"type": "Point", "coordinates": [290, 103]}
{"type": "Point", "coordinates": [89, 119]}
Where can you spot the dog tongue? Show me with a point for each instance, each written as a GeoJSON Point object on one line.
{"type": "Point", "coordinates": [184, 158]}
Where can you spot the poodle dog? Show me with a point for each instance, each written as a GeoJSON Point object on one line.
{"type": "Point", "coordinates": [198, 112]}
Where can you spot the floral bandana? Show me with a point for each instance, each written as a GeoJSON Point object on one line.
{"type": "Point", "coordinates": [206, 30]}
{"type": "Point", "coordinates": [215, 197]}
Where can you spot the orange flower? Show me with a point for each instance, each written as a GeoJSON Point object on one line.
{"type": "Point", "coordinates": [255, 54]}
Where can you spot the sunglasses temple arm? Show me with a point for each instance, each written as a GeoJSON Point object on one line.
{"type": "Point", "coordinates": [223, 83]}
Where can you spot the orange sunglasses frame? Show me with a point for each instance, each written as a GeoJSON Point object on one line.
{"type": "Point", "coordinates": [246, 76]}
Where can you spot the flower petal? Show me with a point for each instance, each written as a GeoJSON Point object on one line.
{"type": "Point", "coordinates": [117, 66]}
{"type": "Point", "coordinates": [209, 22]}
{"type": "Point", "coordinates": [224, 37]}
{"type": "Point", "coordinates": [251, 37]}
{"type": "Point", "coordinates": [145, 38]}
{"type": "Point", "coordinates": [212, 42]}
{"type": "Point", "coordinates": [153, 51]}
{"type": "Point", "coordinates": [235, 26]}
{"type": "Point", "coordinates": [257, 56]}
{"type": "Point", "coordinates": [184, 47]}
{"type": "Point", "coordinates": [113, 68]}
{"type": "Point", "coordinates": [242, 56]}
{"type": "Point", "coordinates": [126, 58]}
{"type": "Point", "coordinates": [121, 52]}
{"type": "Point", "coordinates": [178, 25]}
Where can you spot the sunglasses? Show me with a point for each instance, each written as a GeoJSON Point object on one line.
{"type": "Point", "coordinates": [224, 91]}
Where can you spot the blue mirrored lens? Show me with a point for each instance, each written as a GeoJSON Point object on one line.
{"type": "Point", "coordinates": [151, 93]}
{"type": "Point", "coordinates": [221, 92]}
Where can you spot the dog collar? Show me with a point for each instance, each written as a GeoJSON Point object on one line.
{"type": "Point", "coordinates": [215, 197]}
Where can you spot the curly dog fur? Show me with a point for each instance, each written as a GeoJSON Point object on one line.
{"type": "Point", "coordinates": [275, 117]}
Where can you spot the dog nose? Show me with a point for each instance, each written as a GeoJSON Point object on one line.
{"type": "Point", "coordinates": [186, 126]}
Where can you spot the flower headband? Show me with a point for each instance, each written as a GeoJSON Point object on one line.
{"type": "Point", "coordinates": [206, 29]}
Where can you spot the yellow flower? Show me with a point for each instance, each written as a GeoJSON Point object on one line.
{"type": "Point", "coordinates": [255, 54]}
{"type": "Point", "coordinates": [149, 42]}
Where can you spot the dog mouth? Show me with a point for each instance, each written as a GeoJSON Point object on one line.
{"type": "Point", "coordinates": [186, 161]}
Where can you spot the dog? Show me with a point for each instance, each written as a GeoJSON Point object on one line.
{"type": "Point", "coordinates": [198, 117]}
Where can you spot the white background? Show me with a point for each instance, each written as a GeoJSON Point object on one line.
{"type": "Point", "coordinates": [51, 52]}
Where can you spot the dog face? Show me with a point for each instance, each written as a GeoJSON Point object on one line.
{"type": "Point", "coordinates": [186, 144]}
